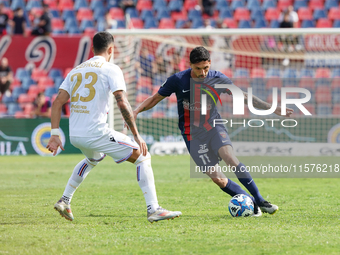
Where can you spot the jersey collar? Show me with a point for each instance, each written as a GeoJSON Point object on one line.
{"type": "Point", "coordinates": [99, 58]}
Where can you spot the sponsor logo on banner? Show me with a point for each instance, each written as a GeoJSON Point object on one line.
{"type": "Point", "coordinates": [168, 148]}
{"type": "Point", "coordinates": [9, 142]}
{"type": "Point", "coordinates": [40, 136]}
{"type": "Point", "coordinates": [334, 134]}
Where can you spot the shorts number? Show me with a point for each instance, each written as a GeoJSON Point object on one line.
{"type": "Point", "coordinates": [75, 96]}
{"type": "Point", "coordinates": [204, 158]}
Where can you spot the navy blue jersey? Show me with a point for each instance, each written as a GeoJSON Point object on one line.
{"type": "Point", "coordinates": [188, 93]}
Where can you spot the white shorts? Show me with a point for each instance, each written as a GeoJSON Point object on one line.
{"type": "Point", "coordinates": [114, 144]}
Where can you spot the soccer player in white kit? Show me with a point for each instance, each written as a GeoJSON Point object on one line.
{"type": "Point", "coordinates": [88, 85]}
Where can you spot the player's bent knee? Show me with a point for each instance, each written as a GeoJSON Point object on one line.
{"type": "Point", "coordinates": [92, 163]}
{"type": "Point", "coordinates": [142, 158]}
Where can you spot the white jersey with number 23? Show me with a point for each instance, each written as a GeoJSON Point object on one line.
{"type": "Point", "coordinates": [89, 86]}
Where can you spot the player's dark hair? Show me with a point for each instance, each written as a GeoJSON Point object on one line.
{"type": "Point", "coordinates": [199, 54]}
{"type": "Point", "coordinates": [101, 41]}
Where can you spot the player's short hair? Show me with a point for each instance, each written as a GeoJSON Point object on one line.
{"type": "Point", "coordinates": [199, 54]}
{"type": "Point", "coordinates": [101, 41]}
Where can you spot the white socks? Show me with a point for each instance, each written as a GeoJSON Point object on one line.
{"type": "Point", "coordinates": [146, 182]}
{"type": "Point", "coordinates": [79, 174]}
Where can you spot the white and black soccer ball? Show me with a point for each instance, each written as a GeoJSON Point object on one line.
{"type": "Point", "coordinates": [241, 206]}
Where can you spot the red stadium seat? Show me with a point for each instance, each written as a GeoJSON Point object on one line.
{"type": "Point", "coordinates": [20, 115]}
{"type": "Point", "coordinates": [336, 109]}
{"type": "Point", "coordinates": [25, 98]}
{"type": "Point", "coordinates": [305, 13]}
{"type": "Point", "coordinates": [137, 23]}
{"type": "Point", "coordinates": [117, 13]}
{"type": "Point", "coordinates": [324, 23]}
{"type": "Point", "coordinates": [182, 15]}
{"type": "Point", "coordinates": [35, 12]}
{"type": "Point", "coordinates": [316, 4]}
{"type": "Point", "coordinates": [15, 83]}
{"type": "Point", "coordinates": [228, 72]}
{"type": "Point", "coordinates": [241, 14]}
{"type": "Point", "coordinates": [90, 31]}
{"type": "Point", "coordinates": [38, 73]}
{"type": "Point", "coordinates": [158, 115]}
{"type": "Point", "coordinates": [334, 13]}
{"type": "Point", "coordinates": [310, 108]}
{"type": "Point", "coordinates": [144, 5]}
{"type": "Point", "coordinates": [57, 24]}
{"type": "Point", "coordinates": [141, 98]}
{"type": "Point", "coordinates": [45, 82]}
{"type": "Point", "coordinates": [144, 82]}
{"type": "Point", "coordinates": [257, 73]}
{"type": "Point", "coordinates": [322, 73]}
{"type": "Point", "coordinates": [28, 108]}
{"type": "Point", "coordinates": [230, 23]}
{"type": "Point", "coordinates": [307, 83]}
{"type": "Point", "coordinates": [52, 4]}
{"type": "Point", "coordinates": [323, 95]}
{"type": "Point", "coordinates": [8, 11]}
{"type": "Point", "coordinates": [335, 82]}
{"type": "Point", "coordinates": [166, 23]}
{"type": "Point", "coordinates": [3, 108]}
{"type": "Point", "coordinates": [172, 99]}
{"type": "Point", "coordinates": [34, 90]}
{"type": "Point", "coordinates": [65, 5]}
{"type": "Point", "coordinates": [273, 82]}
{"type": "Point", "coordinates": [84, 13]}
{"type": "Point", "coordinates": [284, 4]}
{"type": "Point", "coordinates": [272, 14]}
{"type": "Point", "coordinates": [190, 4]}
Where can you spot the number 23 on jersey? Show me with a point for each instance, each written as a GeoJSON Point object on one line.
{"type": "Point", "coordinates": [75, 96]}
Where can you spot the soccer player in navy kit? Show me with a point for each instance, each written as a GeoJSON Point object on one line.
{"type": "Point", "coordinates": [208, 144]}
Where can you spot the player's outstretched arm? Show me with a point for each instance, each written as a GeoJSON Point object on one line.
{"type": "Point", "coordinates": [148, 104]}
{"type": "Point", "coordinates": [126, 111]}
{"type": "Point", "coordinates": [57, 105]}
{"type": "Point", "coordinates": [258, 103]}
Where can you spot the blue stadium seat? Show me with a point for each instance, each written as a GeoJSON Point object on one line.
{"type": "Point", "coordinates": [12, 108]}
{"type": "Point", "coordinates": [99, 14]}
{"type": "Point", "coordinates": [17, 91]}
{"type": "Point", "coordinates": [336, 23]}
{"type": "Point", "coordinates": [236, 4]}
{"type": "Point", "coordinates": [112, 4]}
{"type": "Point", "coordinates": [150, 22]}
{"type": "Point", "coordinates": [289, 77]}
{"type": "Point", "coordinates": [101, 25]}
{"type": "Point", "coordinates": [336, 72]}
{"type": "Point", "coordinates": [146, 13]}
{"type": "Point", "coordinates": [192, 14]}
{"type": "Point", "coordinates": [253, 4]}
{"type": "Point", "coordinates": [221, 4]}
{"type": "Point", "coordinates": [50, 91]}
{"type": "Point", "coordinates": [319, 14]}
{"type": "Point", "coordinates": [274, 24]}
{"type": "Point", "coordinates": [97, 4]}
{"type": "Point", "coordinates": [159, 5]}
{"type": "Point", "coordinates": [225, 13]}
{"type": "Point", "coordinates": [80, 4]}
{"type": "Point", "coordinates": [58, 81]}
{"type": "Point", "coordinates": [257, 13]}
{"type": "Point", "coordinates": [172, 111]}
{"type": "Point", "coordinates": [273, 72]}
{"type": "Point", "coordinates": [22, 73]}
{"type": "Point", "coordinates": [7, 99]}
{"type": "Point", "coordinates": [121, 24]}
{"type": "Point", "coordinates": [132, 12]}
{"type": "Point", "coordinates": [268, 4]}
{"type": "Point", "coordinates": [336, 95]}
{"type": "Point", "coordinates": [180, 23]}
{"type": "Point", "coordinates": [162, 14]}
{"type": "Point", "coordinates": [73, 30]}
{"type": "Point", "coordinates": [55, 13]}
{"type": "Point", "coordinates": [33, 4]}
{"type": "Point", "coordinates": [85, 23]}
{"type": "Point", "coordinates": [197, 23]}
{"type": "Point", "coordinates": [68, 14]}
{"type": "Point", "coordinates": [27, 82]}
{"type": "Point", "coordinates": [323, 109]}
{"type": "Point", "coordinates": [241, 73]}
{"type": "Point", "coordinates": [331, 3]}
{"type": "Point", "coordinates": [18, 3]}
{"type": "Point", "coordinates": [260, 23]}
{"type": "Point", "coordinates": [175, 5]}
{"type": "Point", "coordinates": [300, 3]}
{"type": "Point", "coordinates": [54, 73]}
{"type": "Point", "coordinates": [70, 22]}
{"type": "Point", "coordinates": [259, 88]}
{"type": "Point", "coordinates": [307, 24]}
{"type": "Point", "coordinates": [244, 24]}
{"type": "Point", "coordinates": [306, 72]}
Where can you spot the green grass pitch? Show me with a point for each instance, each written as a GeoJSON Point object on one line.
{"type": "Point", "coordinates": [110, 212]}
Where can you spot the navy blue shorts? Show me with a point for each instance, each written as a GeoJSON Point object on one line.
{"type": "Point", "coordinates": [204, 148]}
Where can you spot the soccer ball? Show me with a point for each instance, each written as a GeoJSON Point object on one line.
{"type": "Point", "coordinates": [241, 206]}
